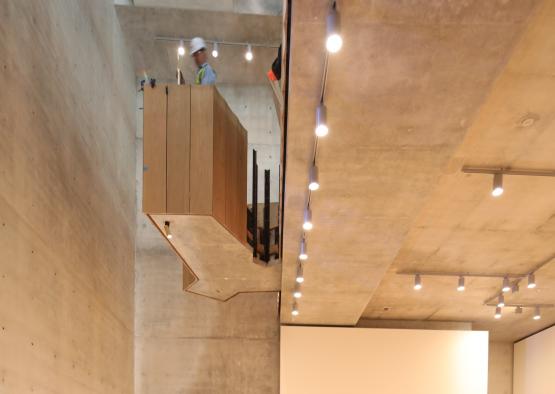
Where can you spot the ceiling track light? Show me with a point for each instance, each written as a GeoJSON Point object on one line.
{"type": "Point", "coordinates": [417, 282]}
{"type": "Point", "coordinates": [297, 293]}
{"type": "Point", "coordinates": [497, 189]}
{"type": "Point", "coordinates": [497, 313]}
{"type": "Point", "coordinates": [537, 313]}
{"type": "Point", "coordinates": [181, 48]}
{"type": "Point", "coordinates": [501, 301]}
{"type": "Point", "coordinates": [321, 120]}
{"type": "Point", "coordinates": [307, 223]}
{"type": "Point", "coordinates": [167, 230]}
{"type": "Point", "coordinates": [531, 280]}
{"type": "Point", "coordinates": [215, 51]}
{"type": "Point", "coordinates": [295, 309]}
{"type": "Point", "coordinates": [303, 255]}
{"type": "Point", "coordinates": [299, 278]}
{"type": "Point", "coordinates": [506, 285]}
{"type": "Point", "coordinates": [460, 285]}
{"type": "Point", "coordinates": [334, 42]}
{"type": "Point", "coordinates": [313, 182]}
{"type": "Point", "coordinates": [518, 310]}
{"type": "Point", "coordinates": [249, 55]}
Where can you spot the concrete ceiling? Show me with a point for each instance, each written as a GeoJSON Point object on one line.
{"type": "Point", "coordinates": [259, 7]}
{"type": "Point", "coordinates": [141, 25]}
{"type": "Point", "coordinates": [419, 89]}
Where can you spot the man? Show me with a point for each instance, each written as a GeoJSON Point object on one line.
{"type": "Point", "coordinates": [205, 74]}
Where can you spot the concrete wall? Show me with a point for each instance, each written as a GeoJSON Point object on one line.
{"type": "Point", "coordinates": [191, 344]}
{"type": "Point", "coordinates": [66, 199]}
{"type": "Point", "coordinates": [500, 368]}
{"type": "Point", "coordinates": [534, 360]}
{"type": "Point", "coordinates": [331, 360]}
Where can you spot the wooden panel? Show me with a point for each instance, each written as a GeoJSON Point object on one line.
{"type": "Point", "coordinates": [178, 148]}
{"type": "Point", "coordinates": [230, 174]}
{"type": "Point", "coordinates": [220, 122]}
{"type": "Point", "coordinates": [202, 103]}
{"type": "Point", "coordinates": [242, 150]}
{"type": "Point", "coordinates": [154, 150]}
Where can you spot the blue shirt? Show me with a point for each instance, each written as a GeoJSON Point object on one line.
{"type": "Point", "coordinates": [205, 75]}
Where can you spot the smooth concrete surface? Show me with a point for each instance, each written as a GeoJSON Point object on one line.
{"type": "Point", "coordinates": [500, 368]}
{"type": "Point", "coordinates": [331, 360]}
{"type": "Point", "coordinates": [261, 7]}
{"type": "Point", "coordinates": [158, 59]}
{"type": "Point", "coordinates": [534, 359]}
{"type": "Point", "coordinates": [67, 199]}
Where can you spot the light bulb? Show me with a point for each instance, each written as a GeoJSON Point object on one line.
{"type": "Point", "coordinates": [537, 314]}
{"type": "Point", "coordinates": [167, 230]}
{"type": "Point", "coordinates": [501, 301]}
{"type": "Point", "coordinates": [497, 313]}
{"type": "Point", "coordinates": [181, 48]}
{"type": "Point", "coordinates": [313, 183]}
{"type": "Point", "coordinates": [531, 281]}
{"type": "Point", "coordinates": [307, 223]}
{"type": "Point", "coordinates": [460, 286]}
{"type": "Point", "coordinates": [417, 282]}
{"type": "Point", "coordinates": [295, 309]}
{"type": "Point", "coordinates": [506, 285]}
{"type": "Point", "coordinates": [497, 185]}
{"type": "Point", "coordinates": [299, 278]}
{"type": "Point", "coordinates": [248, 55]}
{"type": "Point", "coordinates": [321, 121]}
{"type": "Point", "coordinates": [215, 50]}
{"type": "Point", "coordinates": [334, 42]}
{"type": "Point", "coordinates": [303, 252]}
{"type": "Point", "coordinates": [297, 292]}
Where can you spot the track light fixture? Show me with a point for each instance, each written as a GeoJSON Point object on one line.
{"type": "Point", "coordinates": [321, 120]}
{"type": "Point", "coordinates": [215, 51]}
{"type": "Point", "coordinates": [299, 278]}
{"type": "Point", "coordinates": [181, 48]}
{"type": "Point", "coordinates": [303, 252]}
{"type": "Point", "coordinates": [506, 285]}
{"type": "Point", "coordinates": [497, 189]}
{"type": "Point", "coordinates": [307, 223]}
{"type": "Point", "coordinates": [537, 313]}
{"type": "Point", "coordinates": [518, 310]}
{"type": "Point", "coordinates": [501, 301]}
{"type": "Point", "coordinates": [460, 286]}
{"type": "Point", "coordinates": [167, 230]}
{"type": "Point", "coordinates": [313, 183]}
{"type": "Point", "coordinates": [531, 280]}
{"type": "Point", "coordinates": [497, 313]}
{"type": "Point", "coordinates": [334, 42]}
{"type": "Point", "coordinates": [248, 55]}
{"type": "Point", "coordinates": [297, 292]}
{"type": "Point", "coordinates": [295, 309]}
{"type": "Point", "coordinates": [417, 282]}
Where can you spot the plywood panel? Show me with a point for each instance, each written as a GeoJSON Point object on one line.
{"type": "Point", "coordinates": [178, 148]}
{"type": "Point", "coordinates": [534, 359]}
{"type": "Point", "coordinates": [220, 122]}
{"type": "Point", "coordinates": [202, 103]}
{"type": "Point", "coordinates": [154, 150]}
{"type": "Point", "coordinates": [241, 181]}
{"type": "Point", "coordinates": [230, 174]}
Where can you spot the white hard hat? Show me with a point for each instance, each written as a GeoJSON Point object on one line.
{"type": "Point", "coordinates": [197, 44]}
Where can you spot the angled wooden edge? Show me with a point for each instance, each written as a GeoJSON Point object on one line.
{"type": "Point", "coordinates": [196, 279]}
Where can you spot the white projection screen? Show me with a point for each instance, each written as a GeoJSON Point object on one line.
{"type": "Point", "coordinates": [534, 364]}
{"type": "Point", "coordinates": [329, 360]}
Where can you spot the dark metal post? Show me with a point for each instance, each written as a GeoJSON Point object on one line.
{"type": "Point", "coordinates": [254, 204]}
{"type": "Point", "coordinates": [267, 215]}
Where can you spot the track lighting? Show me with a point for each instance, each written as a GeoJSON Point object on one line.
{"type": "Point", "coordinates": [531, 281]}
{"type": "Point", "coordinates": [307, 223]}
{"type": "Point", "coordinates": [501, 301]}
{"type": "Point", "coordinates": [321, 121]}
{"type": "Point", "coordinates": [515, 288]}
{"type": "Point", "coordinates": [181, 48]}
{"type": "Point", "coordinates": [297, 292]}
{"type": "Point", "coordinates": [248, 55]}
{"type": "Point", "coordinates": [506, 285]}
{"type": "Point", "coordinates": [518, 310]}
{"type": "Point", "coordinates": [299, 278]}
{"type": "Point", "coordinates": [167, 229]}
{"type": "Point", "coordinates": [460, 286]}
{"type": "Point", "coordinates": [537, 314]}
{"type": "Point", "coordinates": [497, 313]}
{"type": "Point", "coordinates": [417, 282]}
{"type": "Point", "coordinates": [303, 252]}
{"type": "Point", "coordinates": [334, 42]}
{"type": "Point", "coordinates": [313, 183]}
{"type": "Point", "coordinates": [295, 310]}
{"type": "Point", "coordinates": [215, 52]}
{"type": "Point", "coordinates": [497, 185]}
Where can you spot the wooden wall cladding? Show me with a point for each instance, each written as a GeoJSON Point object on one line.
{"type": "Point", "coordinates": [195, 155]}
